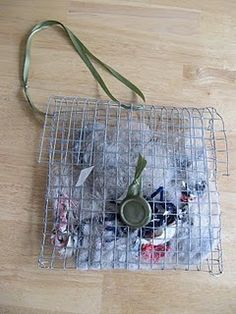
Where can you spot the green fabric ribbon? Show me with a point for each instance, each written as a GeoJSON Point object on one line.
{"type": "Point", "coordinates": [84, 54]}
{"type": "Point", "coordinates": [134, 188]}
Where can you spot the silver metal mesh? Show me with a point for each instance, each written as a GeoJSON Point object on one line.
{"type": "Point", "coordinates": [185, 148]}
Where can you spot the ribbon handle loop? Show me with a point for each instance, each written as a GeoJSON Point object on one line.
{"type": "Point", "coordinates": [87, 57]}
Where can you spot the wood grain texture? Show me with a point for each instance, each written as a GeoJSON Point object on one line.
{"type": "Point", "coordinates": [177, 52]}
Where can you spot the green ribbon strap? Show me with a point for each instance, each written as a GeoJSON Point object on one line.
{"type": "Point", "coordinates": [135, 187]}
{"type": "Point", "coordinates": [84, 54]}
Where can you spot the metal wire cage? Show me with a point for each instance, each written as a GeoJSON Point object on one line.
{"type": "Point", "coordinates": [184, 147]}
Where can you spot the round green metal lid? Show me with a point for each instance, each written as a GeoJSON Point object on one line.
{"type": "Point", "coordinates": [135, 212]}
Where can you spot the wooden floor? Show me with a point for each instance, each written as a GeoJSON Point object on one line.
{"type": "Point", "coordinates": [177, 52]}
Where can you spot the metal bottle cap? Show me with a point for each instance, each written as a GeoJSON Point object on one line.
{"type": "Point", "coordinates": [135, 211]}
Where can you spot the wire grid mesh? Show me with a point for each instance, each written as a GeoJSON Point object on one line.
{"type": "Point", "coordinates": [185, 148]}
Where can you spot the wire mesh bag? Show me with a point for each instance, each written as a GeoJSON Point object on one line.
{"type": "Point", "coordinates": [92, 148]}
